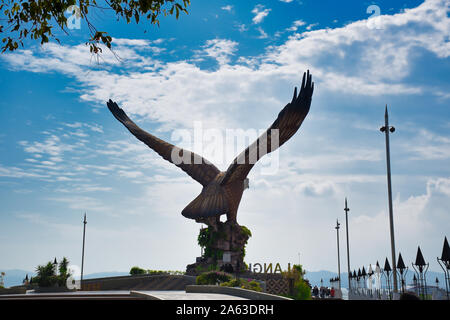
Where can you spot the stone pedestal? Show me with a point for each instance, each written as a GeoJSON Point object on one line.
{"type": "Point", "coordinates": [229, 238]}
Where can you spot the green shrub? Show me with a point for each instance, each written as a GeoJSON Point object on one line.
{"type": "Point", "coordinates": [301, 290]}
{"type": "Point", "coordinates": [208, 237]}
{"type": "Point", "coordinates": [156, 272]}
{"type": "Point", "coordinates": [232, 283]}
{"type": "Point", "coordinates": [301, 287]}
{"type": "Point", "coordinates": [213, 277]}
{"type": "Point", "coordinates": [47, 275]}
{"type": "Point", "coordinates": [246, 231]}
{"type": "Point", "coordinates": [136, 270]}
{"type": "Point", "coordinates": [254, 285]}
{"type": "Point", "coordinates": [242, 283]}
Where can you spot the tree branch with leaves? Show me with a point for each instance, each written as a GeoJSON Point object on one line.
{"type": "Point", "coordinates": [37, 19]}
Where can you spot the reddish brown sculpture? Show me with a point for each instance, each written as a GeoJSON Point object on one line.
{"type": "Point", "coordinates": [222, 191]}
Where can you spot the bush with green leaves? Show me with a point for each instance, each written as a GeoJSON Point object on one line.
{"type": "Point", "coordinates": [232, 283]}
{"type": "Point", "coordinates": [52, 275]}
{"type": "Point", "coordinates": [301, 290]}
{"type": "Point", "coordinates": [157, 272]}
{"type": "Point", "coordinates": [136, 271]}
{"type": "Point", "coordinates": [213, 277]}
{"type": "Point", "coordinates": [242, 283]}
{"type": "Point", "coordinates": [208, 237]}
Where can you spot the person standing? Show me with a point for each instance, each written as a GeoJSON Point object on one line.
{"type": "Point", "coordinates": [315, 291]}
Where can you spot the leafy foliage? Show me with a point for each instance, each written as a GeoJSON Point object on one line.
{"type": "Point", "coordinates": [63, 266]}
{"type": "Point", "coordinates": [136, 270]}
{"type": "Point", "coordinates": [36, 19]}
{"type": "Point", "coordinates": [244, 284]}
{"type": "Point", "coordinates": [246, 231]}
{"type": "Point", "coordinates": [47, 275]}
{"type": "Point", "coordinates": [169, 272]}
{"type": "Point", "coordinates": [207, 237]}
{"type": "Point", "coordinates": [301, 287]}
{"type": "Point", "coordinates": [213, 277]}
{"type": "Point", "coordinates": [302, 291]}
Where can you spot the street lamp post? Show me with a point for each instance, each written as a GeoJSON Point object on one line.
{"type": "Point", "coordinates": [387, 273]}
{"type": "Point", "coordinates": [421, 268]}
{"type": "Point", "coordinates": [444, 262]}
{"type": "Point", "coordinates": [386, 129]}
{"type": "Point", "coordinates": [364, 275]}
{"type": "Point", "coordinates": [338, 256]}
{"type": "Point", "coordinates": [370, 274]}
{"type": "Point", "coordinates": [378, 279]}
{"type": "Point", "coordinates": [346, 209]}
{"type": "Point", "coordinates": [403, 270]}
{"type": "Point", "coordinates": [82, 254]}
{"type": "Point", "coordinates": [359, 275]}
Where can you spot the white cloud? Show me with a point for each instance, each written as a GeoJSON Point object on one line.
{"type": "Point", "coordinates": [317, 188]}
{"type": "Point", "coordinates": [414, 218]}
{"type": "Point", "coordinates": [51, 146]}
{"type": "Point", "coordinates": [84, 188]}
{"type": "Point", "coordinates": [220, 49]}
{"type": "Point", "coordinates": [373, 52]}
{"type": "Point", "coordinates": [14, 172]}
{"type": "Point", "coordinates": [241, 27]}
{"type": "Point", "coordinates": [130, 174]}
{"type": "Point", "coordinates": [262, 33]}
{"type": "Point", "coordinates": [131, 42]}
{"type": "Point", "coordinates": [227, 8]}
{"type": "Point", "coordinates": [312, 25]}
{"type": "Point", "coordinates": [296, 24]}
{"type": "Point", "coordinates": [78, 125]}
{"type": "Point", "coordinates": [381, 58]}
{"type": "Point", "coordinates": [423, 144]}
{"type": "Point", "coordinates": [260, 13]}
{"type": "Point", "coordinates": [74, 125]}
{"type": "Point", "coordinates": [83, 203]}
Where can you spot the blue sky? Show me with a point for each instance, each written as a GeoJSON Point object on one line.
{"type": "Point", "coordinates": [230, 64]}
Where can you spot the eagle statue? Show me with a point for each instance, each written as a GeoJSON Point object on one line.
{"type": "Point", "coordinates": [222, 191]}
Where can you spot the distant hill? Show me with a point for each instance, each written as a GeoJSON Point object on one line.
{"type": "Point", "coordinates": [15, 277]}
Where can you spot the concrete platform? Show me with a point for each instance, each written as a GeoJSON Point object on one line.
{"type": "Point", "coordinates": [77, 295]}
{"type": "Point", "coordinates": [182, 295]}
{"type": "Point", "coordinates": [120, 295]}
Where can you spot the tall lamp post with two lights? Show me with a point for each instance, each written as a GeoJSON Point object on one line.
{"type": "Point", "coordinates": [386, 129]}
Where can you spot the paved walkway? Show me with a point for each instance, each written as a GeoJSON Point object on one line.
{"type": "Point", "coordinates": [120, 295]}
{"type": "Point", "coordinates": [182, 295]}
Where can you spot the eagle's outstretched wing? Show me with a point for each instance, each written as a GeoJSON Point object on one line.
{"type": "Point", "coordinates": [288, 122]}
{"type": "Point", "coordinates": [197, 167]}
